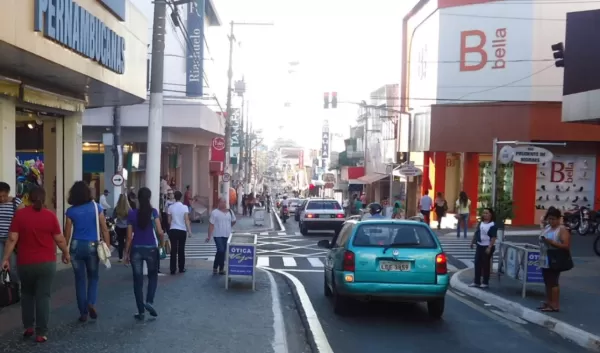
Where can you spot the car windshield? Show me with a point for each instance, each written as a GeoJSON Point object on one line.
{"type": "Point", "coordinates": [394, 235]}
{"type": "Point", "coordinates": [323, 205]}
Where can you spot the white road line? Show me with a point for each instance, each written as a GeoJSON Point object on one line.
{"type": "Point", "coordinates": [300, 270]}
{"type": "Point", "coordinates": [279, 340]}
{"type": "Point", "coordinates": [315, 262]}
{"type": "Point", "coordinates": [262, 261]}
{"type": "Point", "coordinates": [282, 233]}
{"type": "Point", "coordinates": [289, 262]}
{"type": "Point", "coordinates": [452, 268]}
{"type": "Point", "coordinates": [263, 233]}
{"type": "Point", "coordinates": [281, 226]}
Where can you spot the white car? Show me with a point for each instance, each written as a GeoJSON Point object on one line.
{"type": "Point", "coordinates": [322, 214]}
{"type": "Point", "coordinates": [293, 205]}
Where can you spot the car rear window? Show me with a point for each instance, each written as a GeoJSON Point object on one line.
{"type": "Point", "coordinates": [394, 235]}
{"type": "Point", "coordinates": [323, 205]}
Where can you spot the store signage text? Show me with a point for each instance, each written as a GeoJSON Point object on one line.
{"type": "Point", "coordinates": [69, 24]}
{"type": "Point", "coordinates": [195, 49]}
{"type": "Point", "coordinates": [531, 155]}
{"type": "Point", "coordinates": [562, 172]}
{"type": "Point", "coordinates": [469, 51]}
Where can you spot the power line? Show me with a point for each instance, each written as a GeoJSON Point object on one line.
{"type": "Point", "coordinates": [476, 61]}
{"type": "Point", "coordinates": [541, 2]}
{"type": "Point", "coordinates": [505, 17]}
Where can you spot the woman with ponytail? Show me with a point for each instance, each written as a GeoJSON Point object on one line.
{"type": "Point", "coordinates": [36, 261]}
{"type": "Point", "coordinates": [144, 237]}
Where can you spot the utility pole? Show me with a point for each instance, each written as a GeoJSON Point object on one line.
{"type": "Point", "coordinates": [225, 191]}
{"type": "Point", "coordinates": [155, 119]}
{"type": "Point", "coordinates": [247, 153]}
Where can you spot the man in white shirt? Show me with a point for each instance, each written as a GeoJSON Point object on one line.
{"type": "Point", "coordinates": [220, 224]}
{"type": "Point", "coordinates": [179, 230]}
{"type": "Point", "coordinates": [104, 203]}
{"type": "Point", "coordinates": [425, 206]}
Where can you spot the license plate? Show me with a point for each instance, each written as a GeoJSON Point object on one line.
{"type": "Point", "coordinates": [395, 266]}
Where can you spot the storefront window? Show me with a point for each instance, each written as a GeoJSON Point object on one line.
{"type": "Point", "coordinates": [504, 183]}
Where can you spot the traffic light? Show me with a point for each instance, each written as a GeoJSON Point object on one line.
{"type": "Point", "coordinates": [326, 100]}
{"type": "Point", "coordinates": [559, 54]}
{"type": "Point", "coordinates": [333, 100]}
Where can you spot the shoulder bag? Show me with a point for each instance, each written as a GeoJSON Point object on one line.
{"type": "Point", "coordinates": [162, 251]}
{"type": "Point", "coordinates": [559, 259]}
{"type": "Point", "coordinates": [9, 291]}
{"type": "Point", "coordinates": [103, 250]}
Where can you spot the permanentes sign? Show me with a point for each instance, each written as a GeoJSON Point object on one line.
{"type": "Point", "coordinates": [531, 155]}
{"type": "Point", "coordinates": [69, 24]}
{"type": "Point", "coordinates": [195, 49]}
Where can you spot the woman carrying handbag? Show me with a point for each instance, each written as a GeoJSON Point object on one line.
{"type": "Point", "coordinates": [555, 257]}
{"type": "Point", "coordinates": [87, 238]}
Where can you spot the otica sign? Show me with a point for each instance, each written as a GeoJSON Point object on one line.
{"type": "Point", "coordinates": [69, 24]}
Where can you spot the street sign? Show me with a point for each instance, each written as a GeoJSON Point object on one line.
{"type": "Point", "coordinates": [226, 177]}
{"type": "Point", "coordinates": [409, 171]}
{"type": "Point", "coordinates": [531, 155]}
{"type": "Point", "coordinates": [118, 180]}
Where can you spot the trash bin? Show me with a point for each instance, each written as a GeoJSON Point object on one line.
{"type": "Point", "coordinates": [241, 258]}
{"type": "Point", "coordinates": [259, 216]}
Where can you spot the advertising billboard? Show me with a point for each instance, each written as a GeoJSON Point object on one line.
{"type": "Point", "coordinates": [195, 49]}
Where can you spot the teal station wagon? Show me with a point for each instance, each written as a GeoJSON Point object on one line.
{"type": "Point", "coordinates": [385, 259]}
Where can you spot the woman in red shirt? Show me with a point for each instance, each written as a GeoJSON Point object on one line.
{"type": "Point", "coordinates": [36, 260]}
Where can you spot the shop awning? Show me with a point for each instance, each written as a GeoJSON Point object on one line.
{"type": "Point", "coordinates": [372, 177]}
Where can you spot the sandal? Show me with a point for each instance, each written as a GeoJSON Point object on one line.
{"type": "Point", "coordinates": [550, 309]}
{"type": "Point", "coordinates": [543, 306]}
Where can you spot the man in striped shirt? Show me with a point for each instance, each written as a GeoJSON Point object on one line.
{"type": "Point", "coordinates": [8, 207]}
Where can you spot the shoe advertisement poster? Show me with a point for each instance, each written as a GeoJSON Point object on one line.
{"type": "Point", "coordinates": [566, 181]}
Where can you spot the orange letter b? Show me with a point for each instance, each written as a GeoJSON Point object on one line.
{"type": "Point", "coordinates": [464, 50]}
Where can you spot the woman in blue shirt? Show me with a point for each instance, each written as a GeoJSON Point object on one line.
{"type": "Point", "coordinates": [81, 232]}
{"type": "Point", "coordinates": [144, 236]}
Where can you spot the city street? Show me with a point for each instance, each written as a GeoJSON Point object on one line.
{"type": "Point", "coordinates": [468, 325]}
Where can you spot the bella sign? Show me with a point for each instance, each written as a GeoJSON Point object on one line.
{"type": "Point", "coordinates": [531, 155]}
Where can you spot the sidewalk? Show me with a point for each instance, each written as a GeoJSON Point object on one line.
{"type": "Point", "coordinates": [579, 316]}
{"type": "Point", "coordinates": [196, 314]}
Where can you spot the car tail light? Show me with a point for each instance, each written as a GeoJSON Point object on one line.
{"type": "Point", "coordinates": [441, 264]}
{"type": "Point", "coordinates": [340, 215]}
{"type": "Point", "coordinates": [348, 261]}
{"type": "Point", "coordinates": [310, 215]}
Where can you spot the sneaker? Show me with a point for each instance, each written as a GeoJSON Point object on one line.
{"type": "Point", "coordinates": [83, 318]}
{"type": "Point", "coordinates": [151, 310]}
{"type": "Point", "coordinates": [41, 339]}
{"type": "Point", "coordinates": [484, 286]}
{"type": "Point", "coordinates": [474, 285]}
{"type": "Point", "coordinates": [92, 311]}
{"type": "Point", "coordinates": [120, 260]}
{"type": "Point", "coordinates": [28, 333]}
{"type": "Point", "coordinates": [139, 317]}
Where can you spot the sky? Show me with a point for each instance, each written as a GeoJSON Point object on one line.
{"type": "Point", "coordinates": [351, 47]}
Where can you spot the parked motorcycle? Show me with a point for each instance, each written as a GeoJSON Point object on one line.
{"type": "Point", "coordinates": [573, 217]}
{"type": "Point", "coordinates": [284, 213]}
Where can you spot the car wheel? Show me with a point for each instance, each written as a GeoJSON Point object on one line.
{"type": "Point", "coordinates": [436, 308]}
{"type": "Point", "coordinates": [303, 229]}
{"type": "Point", "coordinates": [326, 289]}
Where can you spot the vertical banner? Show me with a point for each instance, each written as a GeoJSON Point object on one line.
{"type": "Point", "coordinates": [325, 147]}
{"type": "Point", "coordinates": [235, 136]}
{"type": "Point", "coordinates": [195, 49]}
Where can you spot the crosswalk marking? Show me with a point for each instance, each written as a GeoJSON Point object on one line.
{"type": "Point", "coordinates": [315, 262]}
{"type": "Point", "coordinates": [459, 248]}
{"type": "Point", "coordinates": [262, 261]}
{"type": "Point", "coordinates": [282, 233]}
{"type": "Point", "coordinates": [289, 261]}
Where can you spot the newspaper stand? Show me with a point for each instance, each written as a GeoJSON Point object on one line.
{"type": "Point", "coordinates": [259, 216]}
{"type": "Point", "coordinates": [240, 258]}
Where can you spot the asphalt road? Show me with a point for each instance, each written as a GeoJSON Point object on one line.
{"type": "Point", "coordinates": [467, 326]}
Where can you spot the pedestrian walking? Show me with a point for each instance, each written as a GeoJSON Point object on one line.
{"type": "Point", "coordinates": [36, 259]}
{"type": "Point", "coordinates": [144, 237]}
{"type": "Point", "coordinates": [250, 201]}
{"type": "Point", "coordinates": [8, 207]}
{"type": "Point", "coordinates": [244, 206]}
{"type": "Point", "coordinates": [483, 242]}
{"type": "Point", "coordinates": [179, 230]}
{"type": "Point", "coordinates": [463, 212]}
{"type": "Point", "coordinates": [221, 221]}
{"type": "Point", "coordinates": [167, 201]}
{"type": "Point", "coordinates": [104, 202]}
{"type": "Point", "coordinates": [555, 257]}
{"type": "Point", "coordinates": [120, 215]}
{"type": "Point", "coordinates": [425, 206]}
{"type": "Point", "coordinates": [397, 212]}
{"type": "Point", "coordinates": [441, 207]}
{"type": "Point", "coordinates": [85, 225]}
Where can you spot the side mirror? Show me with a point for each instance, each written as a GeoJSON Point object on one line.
{"type": "Point", "coordinates": [324, 244]}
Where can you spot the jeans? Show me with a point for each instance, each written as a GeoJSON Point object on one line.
{"type": "Point", "coordinates": [177, 238]}
{"type": "Point", "coordinates": [426, 215]}
{"type": "Point", "coordinates": [14, 273]}
{"type": "Point", "coordinates": [121, 235]}
{"type": "Point", "coordinates": [85, 262]}
{"type": "Point", "coordinates": [482, 264]}
{"type": "Point", "coordinates": [139, 254]}
{"type": "Point", "coordinates": [221, 243]}
{"type": "Point", "coordinates": [36, 288]}
{"type": "Point", "coordinates": [464, 219]}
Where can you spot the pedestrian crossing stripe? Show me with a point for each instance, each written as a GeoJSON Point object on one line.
{"type": "Point", "coordinates": [460, 249]}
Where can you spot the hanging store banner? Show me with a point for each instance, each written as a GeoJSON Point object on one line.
{"type": "Point", "coordinates": [235, 136]}
{"type": "Point", "coordinates": [195, 49]}
{"type": "Point", "coordinates": [301, 159]}
{"type": "Point", "coordinates": [325, 146]}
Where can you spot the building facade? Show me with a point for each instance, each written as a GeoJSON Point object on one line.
{"type": "Point", "coordinates": [471, 74]}
{"type": "Point", "coordinates": [192, 124]}
{"type": "Point", "coordinates": [58, 60]}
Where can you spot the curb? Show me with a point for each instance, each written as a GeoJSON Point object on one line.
{"type": "Point", "coordinates": [561, 328]}
{"type": "Point", "coordinates": [281, 226]}
{"type": "Point", "coordinates": [314, 331]}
